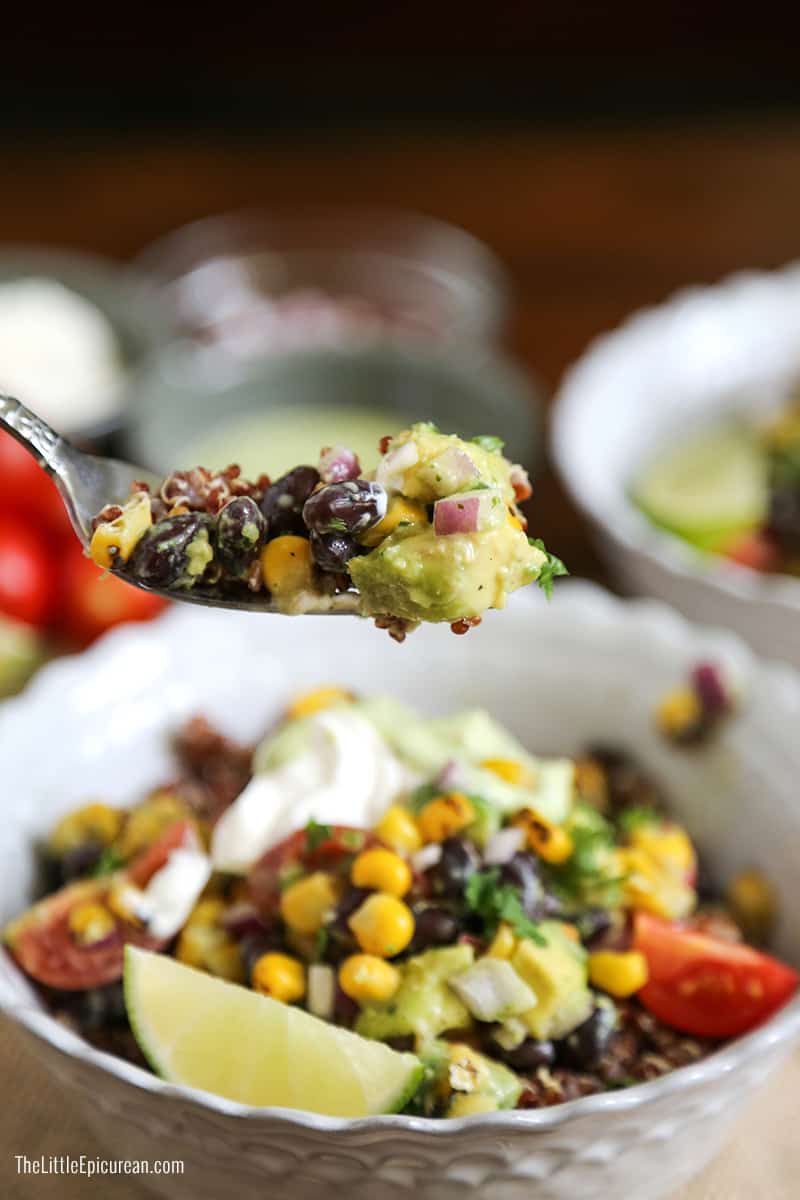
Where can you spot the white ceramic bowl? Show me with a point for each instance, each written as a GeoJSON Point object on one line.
{"type": "Point", "coordinates": [585, 668]}
{"type": "Point", "coordinates": [706, 353]}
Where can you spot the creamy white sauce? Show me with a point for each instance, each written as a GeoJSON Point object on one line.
{"type": "Point", "coordinates": [58, 353]}
{"type": "Point", "coordinates": [349, 776]}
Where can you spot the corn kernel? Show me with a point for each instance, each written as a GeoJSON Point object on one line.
{"type": "Point", "coordinates": [468, 1071]}
{"type": "Point", "coordinates": [445, 816]}
{"type": "Point", "coordinates": [92, 823]}
{"type": "Point", "coordinates": [383, 925]}
{"type": "Point", "coordinates": [207, 911]}
{"type": "Point", "coordinates": [365, 978]}
{"type": "Point", "coordinates": [286, 565]}
{"type": "Point", "coordinates": [679, 713]}
{"type": "Point", "coordinates": [210, 948]}
{"type": "Point", "coordinates": [146, 823]}
{"type": "Point", "coordinates": [279, 976]}
{"type": "Point", "coordinates": [90, 923]}
{"type": "Point", "coordinates": [306, 904]}
{"type": "Point", "coordinates": [399, 512]}
{"type": "Point", "coordinates": [649, 888]}
{"type": "Point", "coordinates": [469, 1104]}
{"type": "Point", "coordinates": [550, 842]}
{"type": "Point", "coordinates": [669, 845]}
{"type": "Point", "coordinates": [510, 771]}
{"type": "Point", "coordinates": [503, 943]}
{"type": "Point", "coordinates": [753, 904]}
{"type": "Point", "coordinates": [115, 541]}
{"type": "Point", "coordinates": [121, 901]}
{"type": "Point", "coordinates": [398, 829]}
{"type": "Point", "coordinates": [316, 700]}
{"type": "Point", "coordinates": [513, 520]}
{"type": "Point", "coordinates": [381, 870]}
{"type": "Point", "coordinates": [620, 973]}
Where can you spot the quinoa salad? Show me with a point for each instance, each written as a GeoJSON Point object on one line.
{"type": "Point", "coordinates": [436, 535]}
{"type": "Point", "coordinates": [526, 930]}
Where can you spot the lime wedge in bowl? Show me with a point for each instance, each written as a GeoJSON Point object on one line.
{"type": "Point", "coordinates": [202, 1032]}
{"type": "Point", "coordinates": [707, 489]}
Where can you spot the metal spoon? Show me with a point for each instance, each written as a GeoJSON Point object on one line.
{"type": "Point", "coordinates": [88, 482]}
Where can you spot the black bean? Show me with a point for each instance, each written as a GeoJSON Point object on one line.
{"type": "Point", "coordinates": [333, 551]}
{"type": "Point", "coordinates": [433, 927]}
{"type": "Point", "coordinates": [341, 940]}
{"type": "Point", "coordinates": [529, 1055]}
{"type": "Point", "coordinates": [459, 860]}
{"type": "Point", "coordinates": [254, 945]}
{"type": "Point", "coordinates": [345, 1010]}
{"type": "Point", "coordinates": [283, 501]}
{"type": "Point", "coordinates": [522, 872]}
{"type": "Point", "coordinates": [79, 861]}
{"type": "Point", "coordinates": [164, 556]}
{"type": "Point", "coordinates": [586, 1045]}
{"type": "Point", "coordinates": [240, 531]}
{"type": "Point", "coordinates": [592, 923]}
{"type": "Point", "coordinates": [349, 507]}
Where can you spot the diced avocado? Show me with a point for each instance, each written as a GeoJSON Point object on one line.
{"type": "Point", "coordinates": [21, 652]}
{"type": "Point", "coordinates": [423, 1005]}
{"type": "Point", "coordinates": [557, 974]}
{"type": "Point", "coordinates": [486, 823]}
{"type": "Point", "coordinates": [472, 1082]}
{"type": "Point", "coordinates": [422, 577]}
{"type": "Point", "coordinates": [442, 466]}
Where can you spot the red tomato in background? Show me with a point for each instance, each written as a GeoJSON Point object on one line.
{"type": "Point", "coordinates": [93, 602]}
{"type": "Point", "coordinates": [705, 986]}
{"type": "Point", "coordinates": [28, 576]}
{"type": "Point", "coordinates": [27, 490]}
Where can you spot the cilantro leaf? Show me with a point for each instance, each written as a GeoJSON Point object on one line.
{"type": "Point", "coordinates": [495, 902]}
{"type": "Point", "coordinates": [550, 569]}
{"type": "Point", "coordinates": [486, 442]}
{"type": "Point", "coordinates": [316, 834]}
{"type": "Point", "coordinates": [337, 525]}
{"type": "Point", "coordinates": [108, 862]}
{"type": "Point", "coordinates": [585, 876]}
{"type": "Point", "coordinates": [636, 817]}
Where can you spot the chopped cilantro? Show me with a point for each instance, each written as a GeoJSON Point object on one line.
{"type": "Point", "coordinates": [108, 862]}
{"type": "Point", "coordinates": [636, 816]}
{"type": "Point", "coordinates": [550, 569]}
{"type": "Point", "coordinates": [316, 834]}
{"type": "Point", "coordinates": [321, 939]}
{"type": "Point", "coordinates": [493, 444]}
{"type": "Point", "coordinates": [423, 794]}
{"type": "Point", "coordinates": [584, 877]}
{"type": "Point", "coordinates": [495, 902]}
{"type": "Point", "coordinates": [337, 525]}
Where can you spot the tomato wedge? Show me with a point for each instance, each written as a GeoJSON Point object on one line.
{"type": "Point", "coordinates": [705, 986]}
{"type": "Point", "coordinates": [300, 851]}
{"type": "Point", "coordinates": [41, 942]}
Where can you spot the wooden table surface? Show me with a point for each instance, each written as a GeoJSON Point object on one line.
{"type": "Point", "coordinates": [592, 223]}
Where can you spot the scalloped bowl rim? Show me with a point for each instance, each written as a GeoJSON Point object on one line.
{"type": "Point", "coordinates": [782, 1027]}
{"type": "Point", "coordinates": [636, 533]}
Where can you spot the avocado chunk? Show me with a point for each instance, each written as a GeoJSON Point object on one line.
{"type": "Point", "coordinates": [441, 465]}
{"type": "Point", "coordinates": [472, 1082]}
{"type": "Point", "coordinates": [424, 1005]}
{"type": "Point", "coordinates": [420, 576]}
{"type": "Point", "coordinates": [557, 974]}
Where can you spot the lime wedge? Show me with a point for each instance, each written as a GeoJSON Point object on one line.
{"type": "Point", "coordinates": [707, 489]}
{"type": "Point", "coordinates": [20, 654]}
{"type": "Point", "coordinates": [205, 1033]}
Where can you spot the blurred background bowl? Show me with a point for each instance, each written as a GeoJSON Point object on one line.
{"type": "Point", "coordinates": [282, 408]}
{"type": "Point", "coordinates": [252, 282]}
{"type": "Point", "coordinates": [708, 354]}
{"type": "Point", "coordinates": [137, 326]}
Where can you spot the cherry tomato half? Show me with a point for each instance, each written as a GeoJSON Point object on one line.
{"type": "Point", "coordinates": [27, 573]}
{"type": "Point", "coordinates": [93, 602]}
{"type": "Point", "coordinates": [705, 986]}
{"type": "Point", "coordinates": [27, 491]}
{"type": "Point", "coordinates": [41, 942]}
{"type": "Point", "coordinates": [296, 852]}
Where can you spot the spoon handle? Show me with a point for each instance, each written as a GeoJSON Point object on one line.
{"type": "Point", "coordinates": [31, 432]}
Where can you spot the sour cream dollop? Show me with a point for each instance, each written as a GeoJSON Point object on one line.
{"type": "Point", "coordinates": [349, 776]}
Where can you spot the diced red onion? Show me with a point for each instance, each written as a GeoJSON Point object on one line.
{"type": "Point", "coordinates": [394, 465]}
{"type": "Point", "coordinates": [456, 514]}
{"type": "Point", "coordinates": [321, 990]}
{"type": "Point", "coordinates": [337, 464]}
{"type": "Point", "coordinates": [242, 920]}
{"type": "Point", "coordinates": [492, 988]}
{"type": "Point", "coordinates": [503, 845]}
{"type": "Point", "coordinates": [427, 857]}
{"type": "Point", "coordinates": [457, 467]}
{"type": "Point", "coordinates": [712, 689]}
{"type": "Point", "coordinates": [450, 776]}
